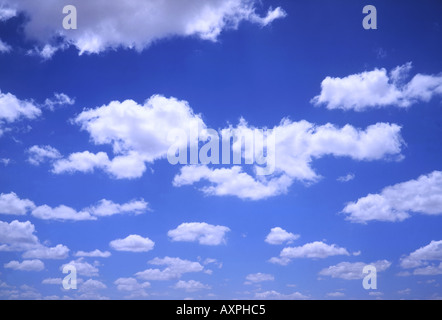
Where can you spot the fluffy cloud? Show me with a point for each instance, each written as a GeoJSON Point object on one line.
{"type": "Point", "coordinates": [25, 265]}
{"type": "Point", "coordinates": [42, 252]}
{"type": "Point", "coordinates": [137, 133]}
{"type": "Point", "coordinates": [313, 250]}
{"type": "Point", "coordinates": [202, 232]}
{"type": "Point", "coordinates": [92, 285]}
{"type": "Point", "coordinates": [258, 277]}
{"type": "Point", "coordinates": [278, 235]}
{"type": "Point", "coordinates": [377, 88]}
{"type": "Point", "coordinates": [175, 268]}
{"type": "Point", "coordinates": [17, 236]}
{"type": "Point", "coordinates": [353, 270]}
{"type": "Point", "coordinates": [397, 202]}
{"type": "Point", "coordinates": [109, 208]}
{"type": "Point", "coordinates": [296, 145]}
{"type": "Point", "coordinates": [83, 268]}
{"type": "Point", "coordinates": [132, 243]}
{"type": "Point", "coordinates": [274, 295]}
{"type": "Point", "coordinates": [13, 109]}
{"type": "Point", "coordinates": [133, 24]}
{"type": "Point", "coordinates": [39, 154]}
{"type": "Point", "coordinates": [191, 285]}
{"type": "Point", "coordinates": [61, 212]}
{"type": "Point", "coordinates": [95, 254]}
{"type": "Point", "coordinates": [10, 203]}
{"type": "Point", "coordinates": [420, 259]}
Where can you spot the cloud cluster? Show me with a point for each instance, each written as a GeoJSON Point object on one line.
{"type": "Point", "coordinates": [11, 204]}
{"type": "Point", "coordinates": [421, 258]}
{"type": "Point", "coordinates": [396, 203]}
{"type": "Point", "coordinates": [110, 24]}
{"type": "Point", "coordinates": [377, 89]}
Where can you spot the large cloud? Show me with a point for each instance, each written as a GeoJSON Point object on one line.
{"type": "Point", "coordinates": [377, 88]}
{"type": "Point", "coordinates": [104, 24]}
{"type": "Point", "coordinates": [397, 202]}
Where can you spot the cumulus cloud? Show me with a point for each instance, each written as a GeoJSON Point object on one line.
{"type": "Point", "coordinates": [421, 259]}
{"type": "Point", "coordinates": [278, 235]}
{"type": "Point", "coordinates": [109, 208]}
{"type": "Point", "coordinates": [94, 254]}
{"type": "Point", "coordinates": [13, 109]}
{"type": "Point", "coordinates": [83, 268]}
{"type": "Point", "coordinates": [92, 285]}
{"type": "Point", "coordinates": [396, 203]}
{"type": "Point", "coordinates": [296, 145]}
{"type": "Point", "coordinates": [132, 243]}
{"type": "Point", "coordinates": [377, 89]}
{"type": "Point", "coordinates": [275, 295]}
{"type": "Point", "coordinates": [39, 154]}
{"type": "Point", "coordinates": [191, 285]}
{"type": "Point", "coordinates": [132, 285]}
{"type": "Point", "coordinates": [353, 270]}
{"type": "Point", "coordinates": [10, 203]}
{"type": "Point", "coordinates": [202, 232]}
{"type": "Point", "coordinates": [110, 24]}
{"type": "Point", "coordinates": [313, 250]}
{"type": "Point", "coordinates": [17, 236]}
{"type": "Point", "coordinates": [61, 212]}
{"type": "Point", "coordinates": [258, 277]}
{"type": "Point", "coordinates": [175, 268]}
{"type": "Point", "coordinates": [58, 252]}
{"type": "Point", "coordinates": [25, 265]}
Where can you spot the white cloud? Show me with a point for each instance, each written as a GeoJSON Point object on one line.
{"type": "Point", "coordinates": [274, 295]}
{"type": "Point", "coordinates": [278, 235]}
{"type": "Point", "coordinates": [54, 281]}
{"type": "Point", "coordinates": [5, 161]}
{"type": "Point", "coordinates": [109, 208]}
{"type": "Point", "coordinates": [13, 109]}
{"type": "Point", "coordinates": [132, 243]}
{"type": "Point", "coordinates": [10, 203]}
{"type": "Point", "coordinates": [377, 88]}
{"type": "Point", "coordinates": [4, 47]}
{"type": "Point", "coordinates": [336, 294]}
{"type": "Point", "coordinates": [41, 252]}
{"type": "Point", "coordinates": [61, 212]}
{"type": "Point", "coordinates": [39, 154]}
{"type": "Point", "coordinates": [297, 144]}
{"type": "Point", "coordinates": [202, 232]}
{"type": "Point", "coordinates": [131, 24]}
{"type": "Point", "coordinates": [92, 285]}
{"type": "Point", "coordinates": [397, 202]}
{"type": "Point", "coordinates": [7, 13]}
{"type": "Point", "coordinates": [83, 268]}
{"type": "Point", "coordinates": [258, 277]}
{"type": "Point", "coordinates": [313, 250]}
{"type": "Point", "coordinates": [353, 270]}
{"type": "Point", "coordinates": [175, 268]}
{"type": "Point", "coordinates": [191, 285]}
{"type": "Point", "coordinates": [82, 162]}
{"type": "Point", "coordinates": [93, 254]}
{"type": "Point", "coordinates": [17, 236]}
{"type": "Point", "coordinates": [130, 284]}
{"type": "Point", "coordinates": [25, 265]}
{"type": "Point", "coordinates": [346, 178]}
{"type": "Point", "coordinates": [59, 99]}
{"type": "Point", "coordinates": [421, 258]}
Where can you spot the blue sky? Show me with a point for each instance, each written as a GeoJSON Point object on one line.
{"type": "Point", "coordinates": [85, 179]}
